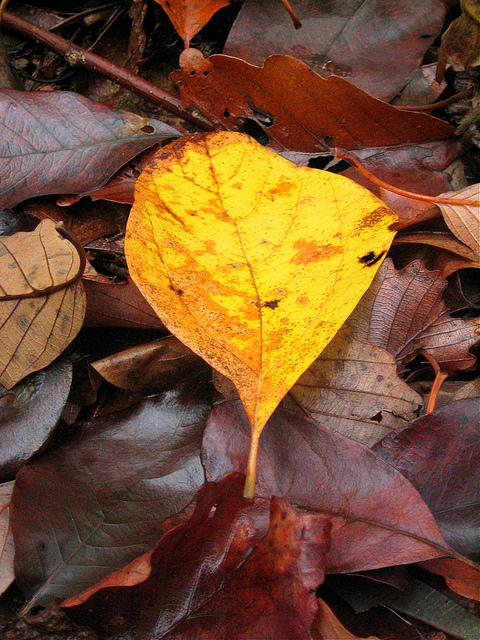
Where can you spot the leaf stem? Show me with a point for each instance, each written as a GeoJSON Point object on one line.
{"type": "Point", "coordinates": [440, 377]}
{"type": "Point", "coordinates": [77, 55]}
{"type": "Point", "coordinates": [345, 155]}
{"type": "Point", "coordinates": [249, 489]}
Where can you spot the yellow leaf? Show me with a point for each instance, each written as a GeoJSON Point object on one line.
{"type": "Point", "coordinates": [251, 261]}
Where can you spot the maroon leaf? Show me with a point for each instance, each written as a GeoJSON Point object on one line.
{"type": "Point", "coordinates": [101, 498]}
{"type": "Point", "coordinates": [320, 469]}
{"type": "Point", "coordinates": [60, 142]}
{"type": "Point", "coordinates": [204, 584]}
{"type": "Point", "coordinates": [120, 305]}
{"type": "Point", "coordinates": [29, 413]}
{"type": "Point", "coordinates": [377, 47]}
{"type": "Point", "coordinates": [440, 455]}
{"type": "Point", "coordinates": [404, 313]}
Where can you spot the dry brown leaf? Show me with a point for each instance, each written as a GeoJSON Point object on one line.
{"type": "Point", "coordinates": [42, 301]}
{"type": "Point", "coordinates": [354, 388]}
{"type": "Point", "coordinates": [189, 16]}
{"type": "Point", "coordinates": [462, 220]}
{"type": "Point", "coordinates": [328, 627]}
{"type": "Point", "coordinates": [297, 109]}
{"type": "Point", "coordinates": [6, 538]}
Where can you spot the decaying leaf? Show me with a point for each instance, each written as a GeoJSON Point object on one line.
{"type": "Point", "coordinates": [42, 301]}
{"type": "Point", "coordinates": [297, 108]}
{"type": "Point", "coordinates": [152, 367]}
{"type": "Point", "coordinates": [205, 582]}
{"type": "Point", "coordinates": [321, 470]}
{"type": "Point", "coordinates": [7, 575]}
{"type": "Point", "coordinates": [462, 220]}
{"type": "Point", "coordinates": [404, 313]}
{"type": "Point", "coordinates": [118, 305]}
{"type": "Point", "coordinates": [61, 142]}
{"type": "Point", "coordinates": [328, 627]}
{"type": "Point", "coordinates": [102, 498]}
{"type": "Point", "coordinates": [354, 388]}
{"type": "Point", "coordinates": [29, 413]}
{"type": "Point", "coordinates": [189, 16]}
{"type": "Point", "coordinates": [252, 262]}
{"type": "Point", "coordinates": [440, 454]}
{"type": "Point", "coordinates": [376, 49]}
{"type": "Point", "coordinates": [461, 41]}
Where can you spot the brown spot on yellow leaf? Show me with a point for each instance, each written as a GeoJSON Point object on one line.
{"type": "Point", "coordinates": [311, 251]}
{"type": "Point", "coordinates": [247, 308]}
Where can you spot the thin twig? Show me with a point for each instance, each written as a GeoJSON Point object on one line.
{"type": "Point", "coordinates": [438, 105]}
{"type": "Point", "coordinates": [98, 64]}
{"type": "Point", "coordinates": [345, 155]}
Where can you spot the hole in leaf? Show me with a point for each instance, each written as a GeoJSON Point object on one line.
{"type": "Point", "coordinates": [377, 417]}
{"type": "Point", "coordinates": [148, 129]}
{"type": "Point", "coordinates": [425, 36]}
{"type": "Point", "coordinates": [193, 72]}
{"type": "Point", "coordinates": [253, 129]}
{"type": "Point", "coordinates": [226, 113]}
{"type": "Point", "coordinates": [206, 72]}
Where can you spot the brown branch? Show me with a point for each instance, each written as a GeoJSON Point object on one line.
{"type": "Point", "coordinates": [79, 56]}
{"type": "Point", "coordinates": [437, 105]}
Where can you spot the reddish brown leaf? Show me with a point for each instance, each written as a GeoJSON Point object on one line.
{"type": "Point", "coordinates": [42, 301]}
{"type": "Point", "coordinates": [320, 469]}
{"type": "Point", "coordinates": [462, 578]}
{"type": "Point", "coordinates": [328, 627]}
{"type": "Point", "coordinates": [354, 388]}
{"type": "Point", "coordinates": [404, 313]}
{"type": "Point", "coordinates": [60, 142]}
{"type": "Point", "coordinates": [279, 97]}
{"type": "Point", "coordinates": [102, 498]}
{"type": "Point", "coordinates": [440, 454]}
{"type": "Point", "coordinates": [202, 584]}
{"type": "Point", "coordinates": [377, 47]}
{"type": "Point", "coordinates": [189, 16]}
{"type": "Point", "coordinates": [7, 575]}
{"type": "Point", "coordinates": [149, 367]}
{"type": "Point", "coordinates": [29, 413]}
{"type": "Point", "coordinates": [118, 305]}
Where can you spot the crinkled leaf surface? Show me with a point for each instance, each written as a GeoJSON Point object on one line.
{"type": "Point", "coordinates": [189, 16]}
{"type": "Point", "coordinates": [252, 262]}
{"type": "Point", "coordinates": [100, 499]}
{"type": "Point", "coordinates": [404, 313]}
{"type": "Point", "coordinates": [464, 220]}
{"type": "Point", "coordinates": [440, 454]}
{"type": "Point", "coordinates": [7, 575]}
{"type": "Point", "coordinates": [204, 584]}
{"type": "Point", "coordinates": [318, 468]}
{"type": "Point", "coordinates": [35, 330]}
{"type": "Point", "coordinates": [296, 107]}
{"type": "Point", "coordinates": [375, 46]}
{"type": "Point", "coordinates": [354, 388]}
{"type": "Point", "coordinates": [30, 413]}
{"type": "Point", "coordinates": [61, 142]}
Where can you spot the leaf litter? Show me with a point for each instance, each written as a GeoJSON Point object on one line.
{"type": "Point", "coordinates": [118, 424]}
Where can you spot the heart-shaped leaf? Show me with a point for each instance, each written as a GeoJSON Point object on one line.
{"type": "Point", "coordinates": [253, 262]}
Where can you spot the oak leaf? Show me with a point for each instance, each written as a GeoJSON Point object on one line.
{"type": "Point", "coordinates": [189, 16]}
{"type": "Point", "coordinates": [297, 109]}
{"type": "Point", "coordinates": [252, 262]}
{"type": "Point", "coordinates": [42, 301]}
{"type": "Point", "coordinates": [404, 313]}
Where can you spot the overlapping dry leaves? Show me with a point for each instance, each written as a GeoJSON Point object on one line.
{"type": "Point", "coordinates": [122, 455]}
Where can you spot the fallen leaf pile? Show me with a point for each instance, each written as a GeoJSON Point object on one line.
{"type": "Point", "coordinates": [239, 391]}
